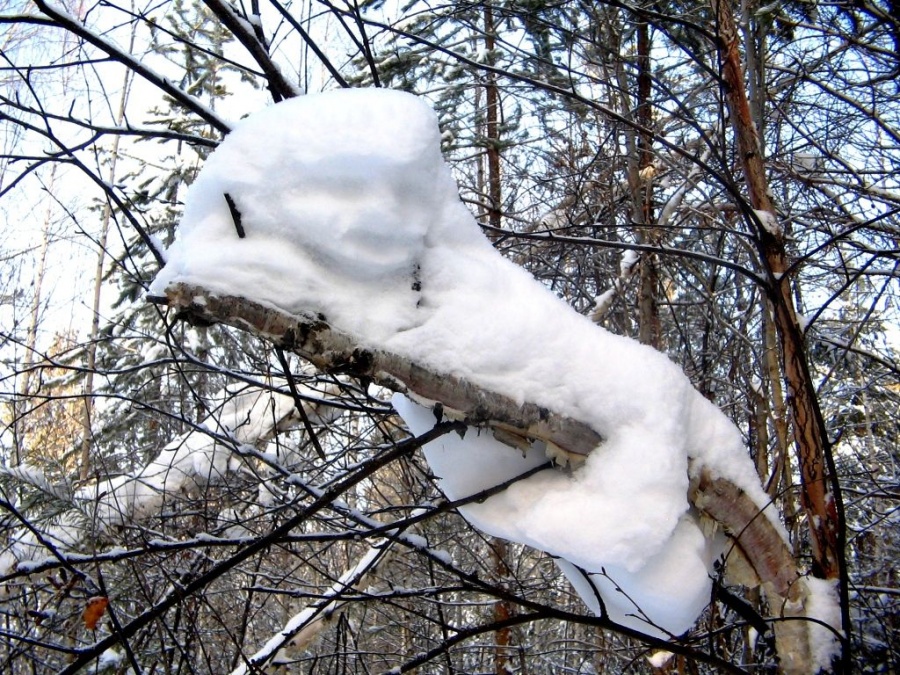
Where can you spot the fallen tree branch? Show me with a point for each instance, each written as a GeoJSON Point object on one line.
{"type": "Point", "coordinates": [755, 537]}
{"type": "Point", "coordinates": [333, 351]}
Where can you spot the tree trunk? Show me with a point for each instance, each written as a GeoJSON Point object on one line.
{"type": "Point", "coordinates": [819, 489]}
{"type": "Point", "coordinates": [503, 610]}
{"type": "Point", "coordinates": [23, 390]}
{"type": "Point", "coordinates": [492, 130]}
{"type": "Point", "coordinates": [649, 331]}
{"type": "Point", "coordinates": [91, 356]}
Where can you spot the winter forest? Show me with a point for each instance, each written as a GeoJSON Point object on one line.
{"type": "Point", "coordinates": [496, 337]}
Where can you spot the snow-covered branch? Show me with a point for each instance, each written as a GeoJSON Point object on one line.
{"type": "Point", "coordinates": [757, 541]}
{"type": "Point", "coordinates": [305, 625]}
{"type": "Point", "coordinates": [331, 226]}
{"type": "Point", "coordinates": [250, 35]}
{"type": "Point", "coordinates": [203, 456]}
{"type": "Point", "coordinates": [334, 351]}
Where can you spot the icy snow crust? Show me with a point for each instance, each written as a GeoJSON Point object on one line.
{"type": "Point", "coordinates": [350, 211]}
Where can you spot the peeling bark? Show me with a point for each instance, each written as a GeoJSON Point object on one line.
{"type": "Point", "coordinates": [332, 351]}
{"type": "Point", "coordinates": [760, 547]}
{"type": "Point", "coordinates": [820, 493]}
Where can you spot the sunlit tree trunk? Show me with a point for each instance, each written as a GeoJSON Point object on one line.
{"type": "Point", "coordinates": [781, 482]}
{"type": "Point", "coordinates": [502, 609]}
{"type": "Point", "coordinates": [34, 314]}
{"type": "Point", "coordinates": [91, 354]}
{"type": "Point", "coordinates": [820, 494]}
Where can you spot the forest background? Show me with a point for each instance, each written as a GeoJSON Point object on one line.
{"type": "Point", "coordinates": [719, 182]}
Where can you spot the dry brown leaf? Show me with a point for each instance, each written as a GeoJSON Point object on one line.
{"type": "Point", "coordinates": [94, 610]}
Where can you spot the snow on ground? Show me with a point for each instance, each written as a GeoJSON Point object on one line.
{"type": "Point", "coordinates": [345, 207]}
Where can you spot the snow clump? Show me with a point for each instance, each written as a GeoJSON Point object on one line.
{"type": "Point", "coordinates": [344, 207]}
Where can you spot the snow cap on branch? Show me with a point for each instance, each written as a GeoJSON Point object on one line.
{"type": "Point", "coordinates": [348, 211]}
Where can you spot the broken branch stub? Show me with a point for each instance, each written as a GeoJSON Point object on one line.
{"type": "Point", "coordinates": [757, 544]}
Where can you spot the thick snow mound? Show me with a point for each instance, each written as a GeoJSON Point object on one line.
{"type": "Point", "coordinates": [348, 209]}
{"type": "Point", "coordinates": [336, 194]}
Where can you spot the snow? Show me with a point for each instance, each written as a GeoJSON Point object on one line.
{"type": "Point", "coordinates": [769, 221]}
{"type": "Point", "coordinates": [659, 659]}
{"type": "Point", "coordinates": [292, 634]}
{"type": "Point", "coordinates": [416, 541]}
{"type": "Point", "coordinates": [196, 458]}
{"type": "Point", "coordinates": [663, 577]}
{"type": "Point", "coordinates": [199, 457]}
{"type": "Point", "coordinates": [109, 659]}
{"type": "Point", "coordinates": [628, 261]}
{"type": "Point", "coordinates": [807, 163]}
{"type": "Point", "coordinates": [349, 211]}
{"type": "Point", "coordinates": [603, 301]}
{"type": "Point", "coordinates": [29, 566]}
{"type": "Point", "coordinates": [823, 605]}
{"type": "Point", "coordinates": [443, 556]}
